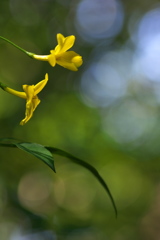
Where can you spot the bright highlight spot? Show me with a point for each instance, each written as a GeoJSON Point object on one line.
{"type": "Point", "coordinates": [98, 19]}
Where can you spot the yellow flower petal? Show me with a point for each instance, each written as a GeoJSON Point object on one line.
{"type": "Point", "coordinates": [29, 90]}
{"type": "Point", "coordinates": [70, 66]}
{"type": "Point", "coordinates": [77, 60]}
{"type": "Point", "coordinates": [60, 40]}
{"type": "Point", "coordinates": [69, 60]}
{"type": "Point", "coordinates": [39, 86]}
{"type": "Point", "coordinates": [30, 107]}
{"type": "Point", "coordinates": [64, 43]}
{"type": "Point", "coordinates": [67, 44]}
{"type": "Point", "coordinates": [52, 58]}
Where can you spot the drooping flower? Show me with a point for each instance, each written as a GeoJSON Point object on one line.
{"type": "Point", "coordinates": [67, 59]}
{"type": "Point", "coordinates": [30, 94]}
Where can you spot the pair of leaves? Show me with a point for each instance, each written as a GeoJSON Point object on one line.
{"type": "Point", "coordinates": [44, 153]}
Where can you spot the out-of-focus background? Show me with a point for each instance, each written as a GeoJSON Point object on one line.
{"type": "Point", "coordinates": [107, 113]}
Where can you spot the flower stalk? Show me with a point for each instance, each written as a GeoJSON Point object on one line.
{"type": "Point", "coordinates": [15, 45]}
{"type": "Point", "coordinates": [59, 55]}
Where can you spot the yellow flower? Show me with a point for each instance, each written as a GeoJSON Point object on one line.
{"type": "Point", "coordinates": [30, 94]}
{"type": "Point", "coordinates": [67, 59]}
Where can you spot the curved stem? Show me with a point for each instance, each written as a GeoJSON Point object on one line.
{"type": "Point", "coordinates": [21, 49]}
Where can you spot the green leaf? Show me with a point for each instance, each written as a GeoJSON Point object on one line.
{"type": "Point", "coordinates": [88, 167]}
{"type": "Point", "coordinates": [44, 153]}
{"type": "Point", "coordinates": [38, 151]}
{"type": "Point", "coordinates": [35, 149]}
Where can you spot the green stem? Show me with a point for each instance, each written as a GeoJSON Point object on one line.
{"type": "Point", "coordinates": [21, 49]}
{"type": "Point", "coordinates": [2, 86]}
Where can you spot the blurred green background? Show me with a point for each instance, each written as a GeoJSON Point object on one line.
{"type": "Point", "coordinates": [107, 113]}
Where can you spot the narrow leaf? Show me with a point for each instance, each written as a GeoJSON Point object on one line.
{"type": "Point", "coordinates": [38, 151]}
{"type": "Point", "coordinates": [44, 153]}
{"type": "Point", "coordinates": [87, 166]}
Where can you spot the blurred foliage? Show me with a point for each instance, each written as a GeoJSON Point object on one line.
{"type": "Point", "coordinates": [107, 113]}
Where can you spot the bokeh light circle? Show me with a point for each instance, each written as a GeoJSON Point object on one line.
{"type": "Point", "coordinates": [128, 121]}
{"type": "Point", "coordinates": [98, 19]}
{"type": "Point", "coordinates": [147, 39]}
{"type": "Point", "coordinates": [106, 80]}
